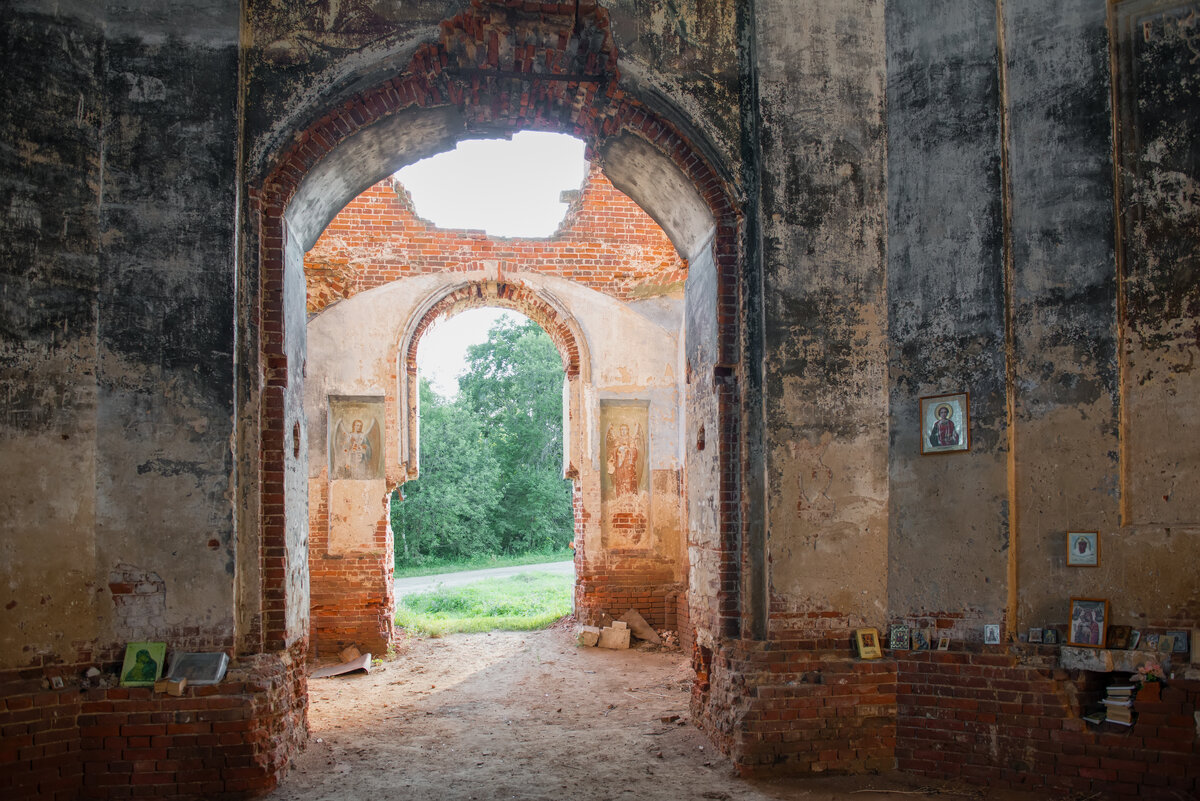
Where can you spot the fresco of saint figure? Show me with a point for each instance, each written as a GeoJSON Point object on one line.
{"type": "Point", "coordinates": [623, 452]}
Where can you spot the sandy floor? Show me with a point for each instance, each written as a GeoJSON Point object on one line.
{"type": "Point", "coordinates": [531, 716]}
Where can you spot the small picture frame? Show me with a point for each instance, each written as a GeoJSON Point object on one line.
{"type": "Point", "coordinates": [1083, 549]}
{"type": "Point", "coordinates": [867, 643]}
{"type": "Point", "coordinates": [1089, 622]}
{"type": "Point", "coordinates": [991, 634]}
{"type": "Point", "coordinates": [920, 641]}
{"type": "Point", "coordinates": [898, 639]}
{"type": "Point", "coordinates": [1050, 636]}
{"type": "Point", "coordinates": [57, 683]}
{"type": "Point", "coordinates": [1035, 635]}
{"type": "Point", "coordinates": [143, 664]}
{"type": "Point", "coordinates": [199, 669]}
{"type": "Point", "coordinates": [1135, 639]}
{"type": "Point", "coordinates": [1166, 643]}
{"type": "Point", "coordinates": [1180, 642]}
{"type": "Point", "coordinates": [943, 643]}
{"type": "Point", "coordinates": [1149, 642]}
{"type": "Point", "coordinates": [1118, 637]}
{"type": "Point", "coordinates": [945, 423]}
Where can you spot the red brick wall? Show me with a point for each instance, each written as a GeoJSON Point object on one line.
{"type": "Point", "coordinates": [605, 242]}
{"type": "Point", "coordinates": [796, 707]}
{"type": "Point", "coordinates": [1012, 719]}
{"type": "Point", "coordinates": [352, 594]}
{"type": "Point", "coordinates": [1005, 716]}
{"type": "Point", "coordinates": [620, 580]}
{"type": "Point", "coordinates": [232, 740]}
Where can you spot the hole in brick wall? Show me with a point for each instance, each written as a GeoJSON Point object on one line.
{"type": "Point", "coordinates": [296, 440]}
{"type": "Point", "coordinates": [700, 439]}
{"type": "Point", "coordinates": [518, 187]}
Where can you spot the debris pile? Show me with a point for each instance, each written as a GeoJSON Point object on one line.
{"type": "Point", "coordinates": [619, 633]}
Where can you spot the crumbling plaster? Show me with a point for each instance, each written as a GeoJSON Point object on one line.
{"type": "Point", "coordinates": [132, 342]}
{"type": "Point", "coordinates": [303, 59]}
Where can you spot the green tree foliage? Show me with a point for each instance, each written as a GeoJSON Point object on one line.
{"type": "Point", "coordinates": [448, 512]}
{"type": "Point", "coordinates": [491, 460]}
{"type": "Point", "coordinates": [515, 382]}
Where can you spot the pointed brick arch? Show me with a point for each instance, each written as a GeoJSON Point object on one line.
{"type": "Point", "coordinates": [503, 69]}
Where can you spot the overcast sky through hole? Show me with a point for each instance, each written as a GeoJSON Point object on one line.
{"type": "Point", "coordinates": [507, 188]}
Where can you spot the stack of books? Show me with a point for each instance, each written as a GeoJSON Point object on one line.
{"type": "Point", "coordinates": [1118, 704]}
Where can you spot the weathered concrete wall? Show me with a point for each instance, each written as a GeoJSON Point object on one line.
{"type": "Point", "coordinates": [822, 147]}
{"type": "Point", "coordinates": [948, 511]}
{"type": "Point", "coordinates": [49, 274]}
{"type": "Point", "coordinates": [1064, 318]}
{"type": "Point", "coordinates": [122, 218]}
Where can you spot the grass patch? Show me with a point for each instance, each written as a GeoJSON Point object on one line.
{"type": "Point", "coordinates": [517, 603]}
{"type": "Point", "coordinates": [432, 567]}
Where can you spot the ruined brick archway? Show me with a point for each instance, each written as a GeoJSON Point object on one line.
{"type": "Point", "coordinates": [529, 70]}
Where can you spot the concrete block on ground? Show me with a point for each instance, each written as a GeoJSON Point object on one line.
{"type": "Point", "coordinates": [615, 638]}
{"type": "Point", "coordinates": [588, 635]}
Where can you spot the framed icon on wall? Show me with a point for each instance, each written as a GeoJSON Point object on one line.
{"type": "Point", "coordinates": [945, 423]}
{"type": "Point", "coordinates": [1089, 622]}
{"type": "Point", "coordinates": [1083, 549]}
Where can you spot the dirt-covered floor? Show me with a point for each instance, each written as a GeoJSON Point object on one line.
{"type": "Point", "coordinates": [531, 716]}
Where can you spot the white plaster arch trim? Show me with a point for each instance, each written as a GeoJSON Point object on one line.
{"type": "Point", "coordinates": [511, 292]}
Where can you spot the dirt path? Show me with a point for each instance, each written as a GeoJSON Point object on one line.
{"type": "Point", "coordinates": [529, 716]}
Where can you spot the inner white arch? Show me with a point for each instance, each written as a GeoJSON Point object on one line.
{"type": "Point", "coordinates": [507, 187]}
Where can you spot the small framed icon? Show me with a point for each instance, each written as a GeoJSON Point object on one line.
{"type": "Point", "coordinates": [1083, 549]}
{"type": "Point", "coordinates": [867, 643]}
{"type": "Point", "coordinates": [1089, 622]}
{"type": "Point", "coordinates": [945, 423]}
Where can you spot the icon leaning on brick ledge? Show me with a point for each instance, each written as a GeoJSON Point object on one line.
{"type": "Point", "coordinates": [866, 641]}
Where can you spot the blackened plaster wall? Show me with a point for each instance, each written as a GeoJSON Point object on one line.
{"type": "Point", "coordinates": [1011, 277]}
{"type": "Point", "coordinates": [118, 270]}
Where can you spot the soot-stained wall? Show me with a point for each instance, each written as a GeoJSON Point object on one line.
{"type": "Point", "coordinates": [679, 58]}
{"type": "Point", "coordinates": [946, 308]}
{"type": "Point", "coordinates": [49, 252]}
{"type": "Point", "coordinates": [822, 147]}
{"type": "Point", "coordinates": [1159, 249]}
{"type": "Point", "coordinates": [118, 269]}
{"type": "Point", "coordinates": [1010, 278]}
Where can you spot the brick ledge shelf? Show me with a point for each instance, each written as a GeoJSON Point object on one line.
{"type": "Point", "coordinates": [1106, 660]}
